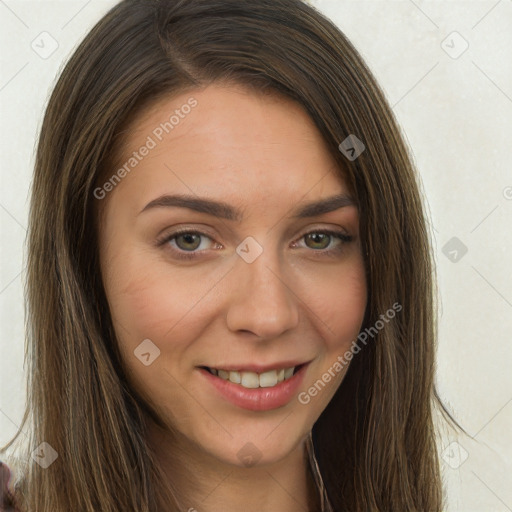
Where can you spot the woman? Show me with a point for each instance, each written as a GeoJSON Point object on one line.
{"type": "Point", "coordinates": [267, 370]}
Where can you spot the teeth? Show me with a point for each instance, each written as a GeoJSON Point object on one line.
{"type": "Point", "coordinates": [250, 380]}
{"type": "Point", "coordinates": [268, 379]}
{"type": "Point", "coordinates": [288, 372]}
{"type": "Point", "coordinates": [253, 380]}
{"type": "Point", "coordinates": [235, 377]}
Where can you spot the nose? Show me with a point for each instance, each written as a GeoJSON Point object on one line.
{"type": "Point", "coordinates": [261, 301]}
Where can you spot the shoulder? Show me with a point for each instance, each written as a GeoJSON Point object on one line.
{"type": "Point", "coordinates": [7, 501]}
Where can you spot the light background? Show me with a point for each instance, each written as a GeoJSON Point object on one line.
{"type": "Point", "coordinates": [456, 114]}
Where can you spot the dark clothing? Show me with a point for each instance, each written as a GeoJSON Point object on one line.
{"type": "Point", "coordinates": [7, 501]}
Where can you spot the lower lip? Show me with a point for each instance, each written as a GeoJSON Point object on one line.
{"type": "Point", "coordinates": [257, 399]}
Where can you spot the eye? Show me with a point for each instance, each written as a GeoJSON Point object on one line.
{"type": "Point", "coordinates": [185, 241]}
{"type": "Point", "coordinates": [322, 239]}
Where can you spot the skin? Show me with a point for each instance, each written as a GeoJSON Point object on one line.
{"type": "Point", "coordinates": [264, 155]}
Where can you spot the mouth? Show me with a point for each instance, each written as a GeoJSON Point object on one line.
{"type": "Point", "coordinates": [253, 380]}
{"type": "Point", "coordinates": [255, 387]}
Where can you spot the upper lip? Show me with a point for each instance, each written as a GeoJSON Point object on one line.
{"type": "Point", "coordinates": [257, 368]}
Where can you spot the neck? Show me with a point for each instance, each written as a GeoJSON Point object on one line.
{"type": "Point", "coordinates": [207, 484]}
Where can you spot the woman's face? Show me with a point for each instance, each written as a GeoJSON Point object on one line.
{"type": "Point", "coordinates": [251, 286]}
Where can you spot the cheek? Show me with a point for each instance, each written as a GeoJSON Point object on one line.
{"type": "Point", "coordinates": [349, 308]}
{"type": "Point", "coordinates": [149, 301]}
{"type": "Point", "coordinates": [338, 298]}
{"type": "Point", "coordinates": [341, 311]}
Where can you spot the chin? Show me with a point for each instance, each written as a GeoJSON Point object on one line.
{"type": "Point", "coordinates": [257, 447]}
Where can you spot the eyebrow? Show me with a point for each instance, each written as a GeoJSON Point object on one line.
{"type": "Point", "coordinates": [226, 211]}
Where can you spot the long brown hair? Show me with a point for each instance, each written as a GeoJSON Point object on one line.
{"type": "Point", "coordinates": [375, 442]}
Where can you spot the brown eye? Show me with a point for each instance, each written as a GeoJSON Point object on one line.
{"type": "Point", "coordinates": [319, 240]}
{"type": "Point", "coordinates": [188, 241]}
{"type": "Point", "coordinates": [187, 244]}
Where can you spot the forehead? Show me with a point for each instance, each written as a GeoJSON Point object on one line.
{"type": "Point", "coordinates": [226, 141]}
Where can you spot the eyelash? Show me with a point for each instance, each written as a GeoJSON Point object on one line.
{"type": "Point", "coordinates": [189, 255]}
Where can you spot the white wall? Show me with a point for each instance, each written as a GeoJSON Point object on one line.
{"type": "Point", "coordinates": [457, 116]}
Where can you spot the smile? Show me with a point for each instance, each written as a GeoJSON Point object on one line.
{"type": "Point", "coordinates": [264, 390]}
{"type": "Point", "coordinates": [253, 380]}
